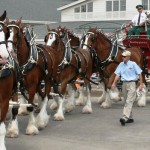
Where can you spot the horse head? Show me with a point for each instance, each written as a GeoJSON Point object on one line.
{"type": "Point", "coordinates": [96, 39]}
{"type": "Point", "coordinates": [4, 34]}
{"type": "Point", "coordinates": [52, 38]}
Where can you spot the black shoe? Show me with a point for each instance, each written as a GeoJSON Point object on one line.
{"type": "Point", "coordinates": [122, 121]}
{"type": "Point", "coordinates": [130, 121]}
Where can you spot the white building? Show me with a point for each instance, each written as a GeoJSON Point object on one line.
{"type": "Point", "coordinates": [101, 10]}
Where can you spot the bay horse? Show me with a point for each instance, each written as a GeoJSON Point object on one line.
{"type": "Point", "coordinates": [8, 79]}
{"type": "Point", "coordinates": [71, 65]}
{"type": "Point", "coordinates": [37, 63]}
{"type": "Point", "coordinates": [75, 44]}
{"type": "Point", "coordinates": [106, 57]}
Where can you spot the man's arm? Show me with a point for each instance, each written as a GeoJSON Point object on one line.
{"type": "Point", "coordinates": [115, 82]}
{"type": "Point", "coordinates": [141, 82]}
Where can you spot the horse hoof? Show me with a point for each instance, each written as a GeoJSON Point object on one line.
{"type": "Point", "coordinates": [79, 103]}
{"type": "Point", "coordinates": [41, 123]}
{"type": "Point", "coordinates": [87, 110]}
{"type": "Point", "coordinates": [69, 108]}
{"type": "Point", "coordinates": [104, 105]}
{"type": "Point", "coordinates": [58, 117]}
{"type": "Point", "coordinates": [12, 134]}
{"type": "Point", "coordinates": [32, 131]}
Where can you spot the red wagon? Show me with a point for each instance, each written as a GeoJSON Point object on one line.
{"type": "Point", "coordinates": [142, 42]}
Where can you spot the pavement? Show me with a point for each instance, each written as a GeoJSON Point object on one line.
{"type": "Point", "coordinates": [100, 130]}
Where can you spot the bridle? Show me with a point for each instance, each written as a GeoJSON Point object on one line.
{"type": "Point", "coordinates": [11, 41]}
{"type": "Point", "coordinates": [83, 42]}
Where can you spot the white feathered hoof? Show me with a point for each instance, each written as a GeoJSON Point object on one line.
{"type": "Point", "coordinates": [53, 105]}
{"type": "Point", "coordinates": [12, 129]}
{"type": "Point", "coordinates": [105, 105]}
{"type": "Point", "coordinates": [69, 108]}
{"type": "Point", "coordinates": [12, 133]}
{"type": "Point", "coordinates": [59, 117]}
{"type": "Point", "coordinates": [32, 130]}
{"type": "Point", "coordinates": [79, 103]}
{"type": "Point", "coordinates": [87, 110]}
{"type": "Point", "coordinates": [41, 123]}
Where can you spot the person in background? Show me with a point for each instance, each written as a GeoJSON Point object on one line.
{"type": "Point", "coordinates": [138, 22]}
{"type": "Point", "coordinates": [129, 72]}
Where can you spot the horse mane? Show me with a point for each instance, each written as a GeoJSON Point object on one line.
{"type": "Point", "coordinates": [100, 33]}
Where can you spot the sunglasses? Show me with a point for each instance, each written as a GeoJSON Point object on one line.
{"type": "Point", "coordinates": [124, 56]}
{"type": "Point", "coordinates": [139, 8]}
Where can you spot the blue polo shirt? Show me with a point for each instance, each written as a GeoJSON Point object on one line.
{"type": "Point", "coordinates": [128, 71]}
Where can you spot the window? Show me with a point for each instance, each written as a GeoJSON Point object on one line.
{"type": "Point", "coordinates": [77, 10]}
{"type": "Point", "coordinates": [90, 7]}
{"type": "Point", "coordinates": [115, 5]}
{"type": "Point", "coordinates": [122, 5]}
{"type": "Point", "coordinates": [108, 5]}
{"type": "Point", "coordinates": [145, 4]}
{"type": "Point", "coordinates": [83, 8]}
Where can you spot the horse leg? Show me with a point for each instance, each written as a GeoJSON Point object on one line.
{"type": "Point", "coordinates": [80, 101]}
{"type": "Point", "coordinates": [2, 135]}
{"type": "Point", "coordinates": [42, 118]}
{"type": "Point", "coordinates": [107, 102]}
{"type": "Point", "coordinates": [4, 104]}
{"type": "Point", "coordinates": [12, 129]}
{"type": "Point", "coordinates": [110, 95]}
{"type": "Point", "coordinates": [101, 99]}
{"type": "Point", "coordinates": [59, 116]}
{"type": "Point", "coordinates": [53, 105]}
{"type": "Point", "coordinates": [31, 127]}
{"type": "Point", "coordinates": [88, 105]}
{"type": "Point", "coordinates": [70, 103]}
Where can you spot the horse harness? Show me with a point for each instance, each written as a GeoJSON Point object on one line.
{"type": "Point", "coordinates": [69, 53]}
{"type": "Point", "coordinates": [7, 68]}
{"type": "Point", "coordinates": [110, 59]}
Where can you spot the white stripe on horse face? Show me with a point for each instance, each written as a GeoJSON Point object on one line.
{"type": "Point", "coordinates": [86, 41]}
{"type": "Point", "coordinates": [10, 44]}
{"type": "Point", "coordinates": [51, 39]}
{"type": "Point", "coordinates": [3, 49]}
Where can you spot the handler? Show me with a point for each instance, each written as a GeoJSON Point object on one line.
{"type": "Point", "coordinates": [129, 72]}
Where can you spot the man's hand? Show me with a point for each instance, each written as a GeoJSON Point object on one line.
{"type": "Point", "coordinates": [140, 87]}
{"type": "Point", "coordinates": [113, 86]}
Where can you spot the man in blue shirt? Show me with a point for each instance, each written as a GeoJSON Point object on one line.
{"type": "Point", "coordinates": [129, 72]}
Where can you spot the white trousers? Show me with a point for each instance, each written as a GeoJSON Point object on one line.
{"type": "Point", "coordinates": [129, 92]}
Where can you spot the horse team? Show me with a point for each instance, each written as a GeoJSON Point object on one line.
{"type": "Point", "coordinates": [58, 63]}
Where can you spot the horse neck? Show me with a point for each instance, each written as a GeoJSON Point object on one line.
{"type": "Point", "coordinates": [61, 50]}
{"type": "Point", "coordinates": [103, 47]}
{"type": "Point", "coordinates": [74, 40]}
{"type": "Point", "coordinates": [22, 50]}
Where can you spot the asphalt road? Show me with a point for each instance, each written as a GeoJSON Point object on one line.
{"type": "Point", "coordinates": [100, 130]}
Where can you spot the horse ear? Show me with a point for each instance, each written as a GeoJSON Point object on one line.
{"type": "Point", "coordinates": [18, 21]}
{"type": "Point", "coordinates": [48, 28]}
{"type": "Point", "coordinates": [7, 21]}
{"type": "Point", "coordinates": [3, 16]}
{"type": "Point", "coordinates": [45, 40]}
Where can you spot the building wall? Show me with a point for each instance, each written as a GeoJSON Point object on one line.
{"type": "Point", "coordinates": [99, 12]}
